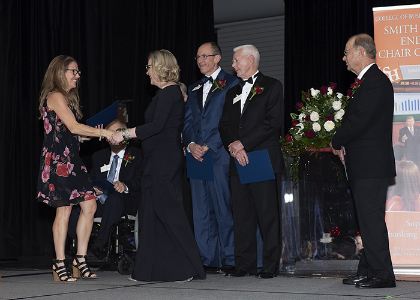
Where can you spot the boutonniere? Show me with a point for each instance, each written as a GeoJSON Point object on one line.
{"type": "Point", "coordinates": [220, 84]}
{"type": "Point", "coordinates": [256, 90]}
{"type": "Point", "coordinates": [128, 158]}
{"type": "Point", "coordinates": [197, 87]}
{"type": "Point", "coordinates": [354, 86]}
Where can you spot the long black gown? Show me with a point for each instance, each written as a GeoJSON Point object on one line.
{"type": "Point", "coordinates": [167, 250]}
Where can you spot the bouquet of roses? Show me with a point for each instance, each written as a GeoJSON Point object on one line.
{"type": "Point", "coordinates": [320, 114]}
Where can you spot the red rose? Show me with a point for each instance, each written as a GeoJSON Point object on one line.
{"type": "Point", "coordinates": [310, 134]}
{"type": "Point", "coordinates": [306, 95]}
{"type": "Point", "coordinates": [352, 85]}
{"type": "Point", "coordinates": [349, 92]}
{"type": "Point", "coordinates": [51, 187]}
{"type": "Point", "coordinates": [299, 105]}
{"type": "Point", "coordinates": [62, 170]}
{"type": "Point", "coordinates": [329, 118]}
{"type": "Point", "coordinates": [323, 90]}
{"type": "Point", "coordinates": [358, 81]}
{"type": "Point", "coordinates": [333, 85]}
{"type": "Point", "coordinates": [288, 138]}
{"type": "Point", "coordinates": [294, 123]}
{"type": "Point", "coordinates": [307, 118]}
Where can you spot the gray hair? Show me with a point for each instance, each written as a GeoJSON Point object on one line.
{"type": "Point", "coordinates": [366, 42]}
{"type": "Point", "coordinates": [249, 50]}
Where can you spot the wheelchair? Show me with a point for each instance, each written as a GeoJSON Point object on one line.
{"type": "Point", "coordinates": [121, 248]}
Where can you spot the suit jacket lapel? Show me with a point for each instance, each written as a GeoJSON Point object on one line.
{"type": "Point", "coordinates": [200, 98]}
{"type": "Point", "coordinates": [256, 83]}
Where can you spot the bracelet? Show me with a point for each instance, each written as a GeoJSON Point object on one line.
{"type": "Point", "coordinates": [100, 138]}
{"type": "Point", "coordinates": [127, 134]}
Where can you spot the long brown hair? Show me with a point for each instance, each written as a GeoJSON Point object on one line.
{"type": "Point", "coordinates": [55, 80]}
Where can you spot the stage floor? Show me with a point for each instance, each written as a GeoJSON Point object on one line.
{"type": "Point", "coordinates": [309, 280]}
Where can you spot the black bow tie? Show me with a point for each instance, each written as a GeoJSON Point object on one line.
{"type": "Point", "coordinates": [205, 79]}
{"type": "Point", "coordinates": [242, 82]}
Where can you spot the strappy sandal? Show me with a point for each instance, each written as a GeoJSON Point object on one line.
{"type": "Point", "coordinates": [61, 273]}
{"type": "Point", "coordinates": [81, 269]}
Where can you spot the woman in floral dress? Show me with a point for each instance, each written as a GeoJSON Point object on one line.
{"type": "Point", "coordinates": [63, 180]}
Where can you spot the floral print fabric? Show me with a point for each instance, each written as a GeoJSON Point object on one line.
{"type": "Point", "coordinates": [63, 178]}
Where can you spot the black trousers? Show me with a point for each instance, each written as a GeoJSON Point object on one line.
{"type": "Point", "coordinates": [256, 203]}
{"type": "Point", "coordinates": [370, 197]}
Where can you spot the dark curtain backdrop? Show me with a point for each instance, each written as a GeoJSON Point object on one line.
{"type": "Point", "coordinates": [315, 37]}
{"type": "Point", "coordinates": [111, 41]}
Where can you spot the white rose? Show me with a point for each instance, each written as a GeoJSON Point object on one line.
{"type": "Point", "coordinates": [339, 115]}
{"type": "Point", "coordinates": [329, 125]}
{"type": "Point", "coordinates": [330, 91]}
{"type": "Point", "coordinates": [336, 105]}
{"type": "Point", "coordinates": [316, 127]}
{"type": "Point", "coordinates": [314, 116]}
{"type": "Point", "coordinates": [339, 95]}
{"type": "Point", "coordinates": [301, 127]}
{"type": "Point", "coordinates": [302, 117]}
{"type": "Point", "coordinates": [314, 92]}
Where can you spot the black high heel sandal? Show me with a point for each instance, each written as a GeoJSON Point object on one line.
{"type": "Point", "coordinates": [81, 269]}
{"type": "Point", "coordinates": [61, 273]}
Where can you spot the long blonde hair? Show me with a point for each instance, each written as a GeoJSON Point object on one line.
{"type": "Point", "coordinates": [55, 80]}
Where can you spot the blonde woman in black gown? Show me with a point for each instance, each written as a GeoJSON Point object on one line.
{"type": "Point", "coordinates": [167, 250]}
{"type": "Point", "coordinates": [63, 180]}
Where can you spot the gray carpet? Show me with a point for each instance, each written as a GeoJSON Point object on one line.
{"type": "Point", "coordinates": [38, 284]}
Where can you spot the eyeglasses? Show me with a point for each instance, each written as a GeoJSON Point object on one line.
{"type": "Point", "coordinates": [148, 67]}
{"type": "Point", "coordinates": [203, 57]}
{"type": "Point", "coordinates": [75, 71]}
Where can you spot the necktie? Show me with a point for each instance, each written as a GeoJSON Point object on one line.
{"type": "Point", "coordinates": [242, 82]}
{"type": "Point", "coordinates": [113, 169]}
{"type": "Point", "coordinates": [111, 175]}
{"type": "Point", "coordinates": [411, 131]}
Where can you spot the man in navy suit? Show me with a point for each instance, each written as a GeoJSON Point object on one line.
{"type": "Point", "coordinates": [252, 119]}
{"type": "Point", "coordinates": [366, 137]}
{"type": "Point", "coordinates": [410, 137]}
{"type": "Point", "coordinates": [212, 214]}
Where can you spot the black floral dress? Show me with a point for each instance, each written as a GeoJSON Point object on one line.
{"type": "Point", "coordinates": [63, 178]}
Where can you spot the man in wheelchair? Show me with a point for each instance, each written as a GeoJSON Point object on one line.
{"type": "Point", "coordinates": [122, 165]}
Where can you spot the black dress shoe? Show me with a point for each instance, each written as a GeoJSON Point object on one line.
{"type": "Point", "coordinates": [227, 269]}
{"type": "Point", "coordinates": [211, 270]}
{"type": "Point", "coordinates": [238, 273]}
{"type": "Point", "coordinates": [373, 283]}
{"type": "Point", "coordinates": [265, 275]}
{"type": "Point", "coordinates": [353, 280]}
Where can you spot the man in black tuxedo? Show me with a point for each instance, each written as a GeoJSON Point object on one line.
{"type": "Point", "coordinates": [366, 138]}
{"type": "Point", "coordinates": [127, 195]}
{"type": "Point", "coordinates": [252, 117]}
{"type": "Point", "coordinates": [410, 137]}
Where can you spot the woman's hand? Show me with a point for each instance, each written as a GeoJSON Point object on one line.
{"type": "Point", "coordinates": [116, 138]}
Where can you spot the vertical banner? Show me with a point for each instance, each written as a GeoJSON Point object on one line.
{"type": "Point", "coordinates": [397, 38]}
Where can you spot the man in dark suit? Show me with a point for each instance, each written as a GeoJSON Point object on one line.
{"type": "Point", "coordinates": [212, 214]}
{"type": "Point", "coordinates": [127, 181]}
{"type": "Point", "coordinates": [410, 137]}
{"type": "Point", "coordinates": [366, 138]}
{"type": "Point", "coordinates": [252, 118]}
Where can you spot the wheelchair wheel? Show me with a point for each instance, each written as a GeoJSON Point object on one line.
{"type": "Point", "coordinates": [125, 265]}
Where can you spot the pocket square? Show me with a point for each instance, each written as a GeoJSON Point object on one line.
{"type": "Point", "coordinates": [197, 87]}
{"type": "Point", "coordinates": [237, 98]}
